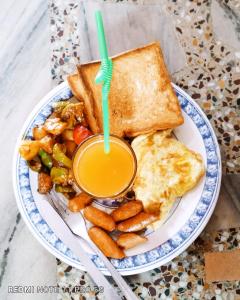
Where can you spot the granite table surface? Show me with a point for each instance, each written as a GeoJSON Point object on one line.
{"type": "Point", "coordinates": [42, 41]}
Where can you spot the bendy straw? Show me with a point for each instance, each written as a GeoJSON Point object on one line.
{"type": "Point", "coordinates": [104, 76]}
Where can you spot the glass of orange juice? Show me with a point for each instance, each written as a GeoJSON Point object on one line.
{"type": "Point", "coordinates": [104, 175]}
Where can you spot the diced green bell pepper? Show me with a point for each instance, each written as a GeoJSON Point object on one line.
{"type": "Point", "coordinates": [59, 156]}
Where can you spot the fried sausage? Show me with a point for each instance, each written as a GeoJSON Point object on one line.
{"type": "Point", "coordinates": [105, 243]}
{"type": "Point", "coordinates": [79, 202]}
{"type": "Point", "coordinates": [130, 240]}
{"type": "Point", "coordinates": [137, 222]}
{"type": "Point", "coordinates": [127, 210]}
{"type": "Point", "coordinates": [99, 218]}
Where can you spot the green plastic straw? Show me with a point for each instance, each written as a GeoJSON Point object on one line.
{"type": "Point", "coordinates": [104, 76]}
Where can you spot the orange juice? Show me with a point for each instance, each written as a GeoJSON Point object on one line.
{"type": "Point", "coordinates": [104, 174]}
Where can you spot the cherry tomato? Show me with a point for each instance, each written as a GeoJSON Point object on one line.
{"type": "Point", "coordinates": [80, 133]}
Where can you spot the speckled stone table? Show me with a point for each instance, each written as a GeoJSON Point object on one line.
{"type": "Point", "coordinates": [201, 43]}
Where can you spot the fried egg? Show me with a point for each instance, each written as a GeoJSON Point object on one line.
{"type": "Point", "coordinates": [167, 169]}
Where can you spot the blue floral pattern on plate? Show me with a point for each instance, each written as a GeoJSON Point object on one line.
{"type": "Point", "coordinates": [157, 255]}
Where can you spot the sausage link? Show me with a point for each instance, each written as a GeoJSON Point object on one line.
{"type": "Point", "coordinates": [127, 210]}
{"type": "Point", "coordinates": [105, 243]}
{"type": "Point", "coordinates": [99, 218]}
{"type": "Point", "coordinates": [137, 222]}
{"type": "Point", "coordinates": [79, 202]}
{"type": "Point", "coordinates": [130, 240]}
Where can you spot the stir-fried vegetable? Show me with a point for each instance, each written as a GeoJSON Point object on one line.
{"type": "Point", "coordinates": [59, 106]}
{"type": "Point", "coordinates": [59, 175]}
{"type": "Point", "coordinates": [59, 156]}
{"type": "Point", "coordinates": [70, 177]}
{"type": "Point", "coordinates": [80, 133]}
{"type": "Point", "coordinates": [64, 189]}
{"type": "Point", "coordinates": [47, 143]}
{"type": "Point", "coordinates": [29, 149]}
{"type": "Point", "coordinates": [45, 158]}
{"type": "Point", "coordinates": [54, 144]}
{"type": "Point", "coordinates": [35, 164]}
{"type": "Point", "coordinates": [72, 113]}
{"type": "Point", "coordinates": [71, 147]}
{"type": "Point", "coordinates": [62, 147]}
{"type": "Point", "coordinates": [44, 183]}
{"type": "Point", "coordinates": [68, 134]}
{"type": "Point", "coordinates": [39, 132]}
{"type": "Point", "coordinates": [54, 126]}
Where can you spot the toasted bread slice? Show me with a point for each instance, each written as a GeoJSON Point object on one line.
{"type": "Point", "coordinates": [141, 97]}
{"type": "Point", "coordinates": [81, 93]}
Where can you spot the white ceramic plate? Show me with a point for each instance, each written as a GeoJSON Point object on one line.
{"type": "Point", "coordinates": [186, 220]}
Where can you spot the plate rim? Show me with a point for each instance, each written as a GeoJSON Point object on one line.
{"type": "Point", "coordinates": [61, 256]}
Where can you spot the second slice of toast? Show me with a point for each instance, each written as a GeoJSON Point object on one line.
{"type": "Point", "coordinates": [141, 97]}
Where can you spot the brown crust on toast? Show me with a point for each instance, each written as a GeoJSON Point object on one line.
{"type": "Point", "coordinates": [73, 82]}
{"type": "Point", "coordinates": [94, 103]}
{"type": "Point", "coordinates": [82, 94]}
